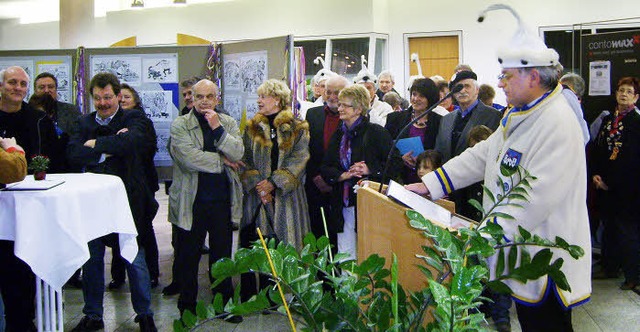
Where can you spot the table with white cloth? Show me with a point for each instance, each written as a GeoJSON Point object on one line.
{"type": "Point", "coordinates": [51, 228]}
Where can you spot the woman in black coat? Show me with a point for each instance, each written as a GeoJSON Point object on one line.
{"type": "Point", "coordinates": [424, 93]}
{"type": "Point", "coordinates": [615, 160]}
{"type": "Point", "coordinates": [357, 150]}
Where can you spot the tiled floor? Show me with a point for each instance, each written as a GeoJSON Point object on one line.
{"type": "Point", "coordinates": [609, 310]}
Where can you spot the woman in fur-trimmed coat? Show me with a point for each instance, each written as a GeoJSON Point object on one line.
{"type": "Point", "coordinates": [275, 155]}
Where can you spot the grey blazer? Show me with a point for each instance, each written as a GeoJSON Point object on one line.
{"type": "Point", "coordinates": [480, 115]}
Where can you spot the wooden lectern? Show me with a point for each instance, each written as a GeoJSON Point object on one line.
{"type": "Point", "coordinates": [383, 229]}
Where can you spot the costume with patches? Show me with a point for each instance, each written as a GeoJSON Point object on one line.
{"type": "Point", "coordinates": [543, 139]}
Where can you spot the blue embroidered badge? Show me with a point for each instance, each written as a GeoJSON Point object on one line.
{"type": "Point", "coordinates": [510, 162]}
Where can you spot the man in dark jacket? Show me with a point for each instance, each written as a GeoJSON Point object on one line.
{"type": "Point", "coordinates": [34, 132]}
{"type": "Point", "coordinates": [112, 141]}
{"type": "Point", "coordinates": [323, 122]}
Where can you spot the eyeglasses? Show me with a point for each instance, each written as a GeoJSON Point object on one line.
{"type": "Point", "coordinates": [105, 98]}
{"type": "Point", "coordinates": [344, 105]}
{"type": "Point", "coordinates": [504, 76]}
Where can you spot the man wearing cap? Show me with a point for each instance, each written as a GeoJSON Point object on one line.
{"type": "Point", "coordinates": [541, 134]}
{"type": "Point", "coordinates": [455, 126]}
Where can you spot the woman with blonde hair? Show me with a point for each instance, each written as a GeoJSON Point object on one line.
{"type": "Point", "coordinates": [275, 155]}
{"type": "Point", "coordinates": [357, 150]}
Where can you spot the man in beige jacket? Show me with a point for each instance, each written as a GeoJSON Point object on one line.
{"type": "Point", "coordinates": [206, 195]}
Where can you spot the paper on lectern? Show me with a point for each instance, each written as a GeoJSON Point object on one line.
{"type": "Point", "coordinates": [425, 207]}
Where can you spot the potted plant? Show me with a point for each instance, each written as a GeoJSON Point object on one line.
{"type": "Point", "coordinates": [39, 165]}
{"type": "Point", "coordinates": [330, 294]}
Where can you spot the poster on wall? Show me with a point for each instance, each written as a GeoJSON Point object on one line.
{"type": "Point", "coordinates": [157, 104]}
{"type": "Point", "coordinates": [233, 105]}
{"type": "Point", "coordinates": [160, 70]}
{"type": "Point", "coordinates": [243, 74]}
{"type": "Point", "coordinates": [128, 69]}
{"type": "Point", "coordinates": [599, 78]}
{"type": "Point", "coordinates": [606, 58]}
{"type": "Point", "coordinates": [62, 71]}
{"type": "Point", "coordinates": [155, 78]}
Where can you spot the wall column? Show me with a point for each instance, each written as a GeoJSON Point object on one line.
{"type": "Point", "coordinates": [76, 20]}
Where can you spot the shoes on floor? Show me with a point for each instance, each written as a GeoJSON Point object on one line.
{"type": "Point", "coordinates": [172, 289]}
{"type": "Point", "coordinates": [115, 284]}
{"type": "Point", "coordinates": [628, 285]}
{"type": "Point", "coordinates": [154, 282]}
{"type": "Point", "coordinates": [146, 323]}
{"type": "Point", "coordinates": [89, 324]}
{"type": "Point", "coordinates": [503, 327]}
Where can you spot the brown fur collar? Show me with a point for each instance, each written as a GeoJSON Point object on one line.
{"type": "Point", "coordinates": [287, 129]}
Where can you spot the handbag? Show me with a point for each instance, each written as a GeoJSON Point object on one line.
{"type": "Point", "coordinates": [269, 232]}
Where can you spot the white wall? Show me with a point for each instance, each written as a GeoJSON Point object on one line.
{"type": "Point", "coordinates": [252, 19]}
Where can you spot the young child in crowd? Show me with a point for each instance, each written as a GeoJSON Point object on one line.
{"type": "Point", "coordinates": [428, 161]}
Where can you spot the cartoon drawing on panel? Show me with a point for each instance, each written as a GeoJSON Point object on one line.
{"type": "Point", "coordinates": [157, 104]}
{"type": "Point", "coordinates": [252, 107]}
{"type": "Point", "coordinates": [233, 105]}
{"type": "Point", "coordinates": [126, 69]}
{"type": "Point", "coordinates": [254, 71]}
{"type": "Point", "coordinates": [160, 70]}
{"type": "Point", "coordinates": [232, 77]}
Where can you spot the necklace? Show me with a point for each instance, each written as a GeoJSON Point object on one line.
{"type": "Point", "coordinates": [419, 124]}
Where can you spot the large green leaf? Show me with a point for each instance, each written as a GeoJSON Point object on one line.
{"type": "Point", "coordinates": [513, 258]}
{"type": "Point", "coordinates": [499, 287]}
{"type": "Point", "coordinates": [500, 262]}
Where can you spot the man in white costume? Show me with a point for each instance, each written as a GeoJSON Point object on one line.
{"type": "Point", "coordinates": [541, 133]}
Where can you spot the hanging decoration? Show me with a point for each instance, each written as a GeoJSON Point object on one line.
{"type": "Point", "coordinates": [79, 80]}
{"type": "Point", "coordinates": [214, 63]}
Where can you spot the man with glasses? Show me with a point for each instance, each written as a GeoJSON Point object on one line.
{"type": "Point", "coordinates": [112, 141]}
{"type": "Point", "coordinates": [541, 134]}
{"type": "Point", "coordinates": [206, 194]}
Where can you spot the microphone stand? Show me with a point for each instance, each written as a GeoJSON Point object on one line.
{"type": "Point", "coordinates": [455, 89]}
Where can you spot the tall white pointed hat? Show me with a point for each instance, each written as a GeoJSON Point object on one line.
{"type": "Point", "coordinates": [525, 49]}
{"type": "Point", "coordinates": [415, 58]}
{"type": "Point", "coordinates": [364, 75]}
{"type": "Point", "coordinates": [323, 73]}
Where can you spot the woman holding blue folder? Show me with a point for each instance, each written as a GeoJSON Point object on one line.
{"type": "Point", "coordinates": [424, 93]}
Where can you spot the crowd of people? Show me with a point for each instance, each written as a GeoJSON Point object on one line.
{"type": "Point", "coordinates": [294, 171]}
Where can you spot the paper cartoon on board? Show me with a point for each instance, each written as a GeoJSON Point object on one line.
{"type": "Point", "coordinates": [157, 104]}
{"type": "Point", "coordinates": [161, 70]}
{"type": "Point", "coordinates": [62, 72]}
{"type": "Point", "coordinates": [127, 69]}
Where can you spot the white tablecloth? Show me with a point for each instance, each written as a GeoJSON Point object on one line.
{"type": "Point", "coordinates": [51, 228]}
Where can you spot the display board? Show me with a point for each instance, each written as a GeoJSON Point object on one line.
{"type": "Point", "coordinates": [60, 63]}
{"type": "Point", "coordinates": [155, 73]}
{"type": "Point", "coordinates": [245, 65]}
{"type": "Point", "coordinates": [605, 59]}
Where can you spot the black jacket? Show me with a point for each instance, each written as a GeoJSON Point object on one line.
{"type": "Point", "coordinates": [129, 153]}
{"type": "Point", "coordinates": [34, 132]}
{"type": "Point", "coordinates": [397, 120]}
{"type": "Point", "coordinates": [371, 144]}
{"type": "Point", "coordinates": [620, 175]}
